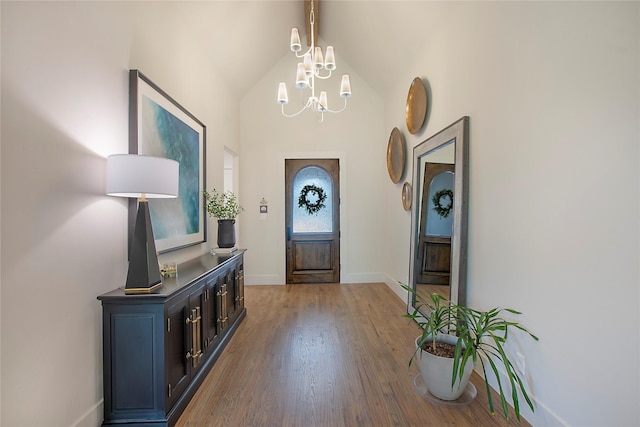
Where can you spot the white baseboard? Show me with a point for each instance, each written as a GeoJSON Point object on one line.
{"type": "Point", "coordinates": [91, 418]}
{"type": "Point", "coordinates": [543, 415]}
{"type": "Point", "coordinates": [363, 278]}
{"type": "Point", "coordinates": [263, 279]}
{"type": "Point", "coordinates": [394, 285]}
{"type": "Point", "coordinates": [275, 279]}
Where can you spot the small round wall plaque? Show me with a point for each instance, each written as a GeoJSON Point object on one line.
{"type": "Point", "coordinates": [395, 155]}
{"type": "Point", "coordinates": [407, 195]}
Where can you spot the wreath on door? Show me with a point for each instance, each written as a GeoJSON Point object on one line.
{"type": "Point", "coordinates": [312, 207]}
{"type": "Point", "coordinates": [443, 202]}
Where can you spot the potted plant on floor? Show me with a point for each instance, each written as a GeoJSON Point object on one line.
{"type": "Point", "coordinates": [226, 208]}
{"type": "Point", "coordinates": [460, 337]}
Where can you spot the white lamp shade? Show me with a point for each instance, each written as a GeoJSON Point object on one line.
{"type": "Point", "coordinates": [330, 59]}
{"type": "Point", "coordinates": [283, 98]}
{"type": "Point", "coordinates": [132, 175]}
{"type": "Point", "coordinates": [301, 77]}
{"type": "Point", "coordinates": [345, 87]}
{"type": "Point", "coordinates": [308, 64]}
{"type": "Point", "coordinates": [322, 101]}
{"type": "Point", "coordinates": [317, 58]}
{"type": "Point", "coordinates": [295, 40]}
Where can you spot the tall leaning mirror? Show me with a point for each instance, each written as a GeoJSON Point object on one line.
{"type": "Point", "coordinates": [439, 215]}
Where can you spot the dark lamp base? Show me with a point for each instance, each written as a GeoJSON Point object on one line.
{"type": "Point", "coordinates": [143, 276]}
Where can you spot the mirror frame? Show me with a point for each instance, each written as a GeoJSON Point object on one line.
{"type": "Point", "coordinates": [459, 133]}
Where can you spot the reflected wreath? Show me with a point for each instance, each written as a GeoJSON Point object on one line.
{"type": "Point", "coordinates": [443, 202]}
{"type": "Point", "coordinates": [311, 207]}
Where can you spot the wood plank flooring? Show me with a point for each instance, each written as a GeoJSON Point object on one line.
{"type": "Point", "coordinates": [324, 355]}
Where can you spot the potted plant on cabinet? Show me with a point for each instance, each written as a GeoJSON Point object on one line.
{"type": "Point", "coordinates": [226, 208]}
{"type": "Point", "coordinates": [446, 360]}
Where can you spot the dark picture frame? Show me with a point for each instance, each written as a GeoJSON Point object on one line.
{"type": "Point", "coordinates": [161, 127]}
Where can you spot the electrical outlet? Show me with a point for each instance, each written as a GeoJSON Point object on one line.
{"type": "Point", "coordinates": [520, 362]}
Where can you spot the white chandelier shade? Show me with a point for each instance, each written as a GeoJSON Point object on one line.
{"type": "Point", "coordinates": [314, 65]}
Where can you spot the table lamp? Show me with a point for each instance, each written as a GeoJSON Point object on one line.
{"type": "Point", "coordinates": [133, 175]}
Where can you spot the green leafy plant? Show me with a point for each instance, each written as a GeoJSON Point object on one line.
{"type": "Point", "coordinates": [481, 336]}
{"type": "Point", "coordinates": [222, 205]}
{"type": "Point", "coordinates": [440, 318]}
{"type": "Point", "coordinates": [443, 210]}
{"type": "Point", "coordinates": [312, 207]}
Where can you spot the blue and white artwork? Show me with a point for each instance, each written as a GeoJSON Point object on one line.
{"type": "Point", "coordinates": [165, 135]}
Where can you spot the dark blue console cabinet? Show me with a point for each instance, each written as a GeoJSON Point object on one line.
{"type": "Point", "coordinates": [157, 348]}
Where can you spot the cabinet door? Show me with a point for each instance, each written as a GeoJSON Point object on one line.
{"type": "Point", "coordinates": [236, 282]}
{"type": "Point", "coordinates": [133, 373]}
{"type": "Point", "coordinates": [195, 331]}
{"type": "Point", "coordinates": [176, 342]}
{"type": "Point", "coordinates": [184, 342]}
{"type": "Point", "coordinates": [211, 317]}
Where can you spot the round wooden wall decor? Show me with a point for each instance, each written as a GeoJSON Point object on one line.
{"type": "Point", "coordinates": [395, 155]}
{"type": "Point", "coordinates": [407, 195]}
{"type": "Point", "coordinates": [416, 106]}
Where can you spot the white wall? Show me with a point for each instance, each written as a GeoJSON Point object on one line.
{"type": "Point", "coordinates": [64, 109]}
{"type": "Point", "coordinates": [552, 90]}
{"type": "Point", "coordinates": [355, 136]}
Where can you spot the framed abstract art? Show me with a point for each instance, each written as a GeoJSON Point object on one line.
{"type": "Point", "coordinates": [160, 127]}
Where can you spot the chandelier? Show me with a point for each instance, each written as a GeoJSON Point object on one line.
{"type": "Point", "coordinates": [314, 66]}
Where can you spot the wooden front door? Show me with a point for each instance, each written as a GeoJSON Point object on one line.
{"type": "Point", "coordinates": [433, 263]}
{"type": "Point", "coordinates": [312, 206]}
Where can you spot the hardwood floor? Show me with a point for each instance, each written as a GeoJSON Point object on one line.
{"type": "Point", "coordinates": [324, 355]}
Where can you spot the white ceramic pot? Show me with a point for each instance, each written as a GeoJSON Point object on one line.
{"type": "Point", "coordinates": [437, 371]}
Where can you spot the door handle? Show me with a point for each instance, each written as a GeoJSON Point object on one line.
{"type": "Point", "coordinates": [288, 233]}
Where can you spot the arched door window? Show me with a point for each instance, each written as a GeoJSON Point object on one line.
{"type": "Point", "coordinates": [312, 201]}
{"type": "Point", "coordinates": [440, 216]}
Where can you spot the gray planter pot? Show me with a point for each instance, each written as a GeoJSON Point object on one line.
{"type": "Point", "coordinates": [226, 233]}
{"type": "Point", "coordinates": [436, 372]}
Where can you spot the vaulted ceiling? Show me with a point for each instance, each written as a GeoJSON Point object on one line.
{"type": "Point", "coordinates": [247, 38]}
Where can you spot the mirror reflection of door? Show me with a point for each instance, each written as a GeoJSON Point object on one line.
{"type": "Point", "coordinates": [312, 206]}
{"type": "Point", "coordinates": [433, 263]}
{"type": "Point", "coordinates": [449, 147]}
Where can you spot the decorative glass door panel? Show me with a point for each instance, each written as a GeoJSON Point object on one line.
{"type": "Point", "coordinates": [439, 214]}
{"type": "Point", "coordinates": [313, 201]}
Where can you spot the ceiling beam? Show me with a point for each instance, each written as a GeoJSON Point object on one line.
{"type": "Point", "coordinates": [316, 20]}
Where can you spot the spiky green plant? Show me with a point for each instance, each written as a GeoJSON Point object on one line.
{"type": "Point", "coordinates": [439, 320]}
{"type": "Point", "coordinates": [484, 334]}
{"type": "Point", "coordinates": [481, 336]}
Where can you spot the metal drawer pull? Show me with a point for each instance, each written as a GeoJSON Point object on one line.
{"type": "Point", "coordinates": [196, 336]}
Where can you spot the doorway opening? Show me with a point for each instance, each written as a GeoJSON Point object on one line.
{"type": "Point", "coordinates": [230, 178]}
